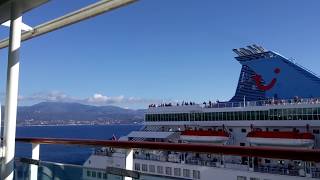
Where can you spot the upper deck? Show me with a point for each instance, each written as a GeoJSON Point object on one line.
{"type": "Point", "coordinates": [231, 106]}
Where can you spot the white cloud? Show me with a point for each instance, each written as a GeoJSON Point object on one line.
{"type": "Point", "coordinates": [96, 99]}
{"type": "Point", "coordinates": [102, 99]}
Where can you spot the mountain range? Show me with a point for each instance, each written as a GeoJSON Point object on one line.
{"type": "Point", "coordinates": [56, 113]}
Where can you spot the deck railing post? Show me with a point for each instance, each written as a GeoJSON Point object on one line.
{"type": "Point", "coordinates": [129, 162]}
{"type": "Point", "coordinates": [35, 155]}
{"type": "Point", "coordinates": [10, 114]}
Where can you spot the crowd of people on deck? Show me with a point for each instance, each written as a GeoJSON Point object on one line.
{"type": "Point", "coordinates": [295, 100]}
{"type": "Point", "coordinates": [273, 101]}
{"type": "Point", "coordinates": [184, 103]}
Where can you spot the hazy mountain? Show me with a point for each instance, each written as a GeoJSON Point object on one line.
{"type": "Point", "coordinates": [57, 111]}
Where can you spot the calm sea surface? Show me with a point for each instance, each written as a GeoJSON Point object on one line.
{"type": "Point", "coordinates": [68, 154]}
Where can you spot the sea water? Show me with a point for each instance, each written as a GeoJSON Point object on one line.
{"type": "Point", "coordinates": [66, 153]}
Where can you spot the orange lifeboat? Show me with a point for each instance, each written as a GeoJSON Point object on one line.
{"type": "Point", "coordinates": [281, 138]}
{"type": "Point", "coordinates": [208, 136]}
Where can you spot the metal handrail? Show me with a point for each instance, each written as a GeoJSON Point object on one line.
{"type": "Point", "coordinates": [264, 152]}
{"type": "Point", "coordinates": [269, 102]}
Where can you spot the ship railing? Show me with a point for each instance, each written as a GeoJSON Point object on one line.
{"type": "Point", "coordinates": [307, 156]}
{"type": "Point", "coordinates": [297, 171]}
{"type": "Point", "coordinates": [269, 102]}
{"type": "Point", "coordinates": [315, 172]}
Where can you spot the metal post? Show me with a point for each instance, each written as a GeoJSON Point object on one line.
{"type": "Point", "coordinates": [35, 155]}
{"type": "Point", "coordinates": [129, 162]}
{"type": "Point", "coordinates": [1, 148]}
{"type": "Point", "coordinates": [11, 93]}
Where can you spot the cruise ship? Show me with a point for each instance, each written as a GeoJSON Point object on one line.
{"type": "Point", "coordinates": [276, 104]}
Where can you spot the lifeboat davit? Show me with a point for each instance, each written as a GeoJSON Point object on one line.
{"type": "Point", "coordinates": [208, 136]}
{"type": "Point", "coordinates": [282, 138]}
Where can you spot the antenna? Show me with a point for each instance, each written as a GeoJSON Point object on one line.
{"type": "Point", "coordinates": [252, 49]}
{"type": "Point", "coordinates": [259, 48]}
{"type": "Point", "coordinates": [245, 51]}
{"type": "Point", "coordinates": [237, 52]}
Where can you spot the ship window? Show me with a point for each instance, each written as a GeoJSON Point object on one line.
{"type": "Point", "coordinates": [168, 171]}
{"type": "Point", "coordinates": [266, 115]}
{"type": "Point", "coordinates": [294, 114]}
{"type": "Point", "coordinates": [243, 130]}
{"type": "Point", "coordinates": [310, 114]}
{"type": "Point", "coordinates": [254, 115]}
{"type": "Point", "coordinates": [248, 115]}
{"type": "Point", "coordinates": [197, 117]}
{"type": "Point", "coordinates": [220, 116]}
{"type": "Point", "coordinates": [104, 175]}
{"type": "Point", "coordinates": [275, 114]}
{"type": "Point", "coordinates": [289, 114]}
{"type": "Point", "coordinates": [285, 114]}
{"type": "Point", "coordinates": [236, 116]}
{"type": "Point", "coordinates": [315, 114]}
{"type": "Point", "coordinates": [241, 178]}
{"type": "Point", "coordinates": [137, 166]}
{"type": "Point", "coordinates": [228, 116]}
{"type": "Point", "coordinates": [88, 173]}
{"type": "Point", "coordinates": [242, 144]}
{"type": "Point", "coordinates": [224, 116]}
{"type": "Point", "coordinates": [99, 175]}
{"type": "Point", "coordinates": [305, 114]}
{"type": "Point", "coordinates": [212, 116]}
{"type": "Point", "coordinates": [261, 115]}
{"type": "Point", "coordinates": [192, 116]}
{"type": "Point", "coordinates": [240, 115]}
{"type": "Point", "coordinates": [231, 116]}
{"type": "Point", "coordinates": [280, 116]}
{"type": "Point", "coordinates": [316, 131]}
{"type": "Point", "coordinates": [177, 171]}
{"type": "Point", "coordinates": [196, 174]}
{"type": "Point", "coordinates": [271, 114]}
{"type": "Point", "coordinates": [267, 161]}
{"type": "Point", "coordinates": [299, 111]}
{"type": "Point", "coordinates": [144, 167]}
{"type": "Point", "coordinates": [186, 173]}
{"type": "Point", "coordinates": [152, 168]}
{"type": "Point", "coordinates": [276, 130]}
{"type": "Point", "coordinates": [160, 169]}
{"type": "Point", "coordinates": [254, 178]}
{"type": "Point", "coordinates": [94, 174]}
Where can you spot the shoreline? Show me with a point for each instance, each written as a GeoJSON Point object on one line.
{"type": "Point", "coordinates": [133, 124]}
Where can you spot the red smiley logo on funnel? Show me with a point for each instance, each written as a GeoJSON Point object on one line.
{"type": "Point", "coordinates": [258, 79]}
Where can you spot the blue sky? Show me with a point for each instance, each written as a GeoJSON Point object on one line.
{"type": "Point", "coordinates": [157, 50]}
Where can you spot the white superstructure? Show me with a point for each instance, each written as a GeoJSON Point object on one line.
{"type": "Point", "coordinates": [260, 114]}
